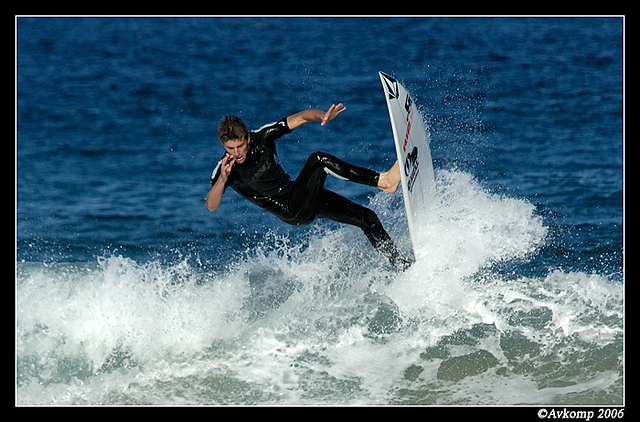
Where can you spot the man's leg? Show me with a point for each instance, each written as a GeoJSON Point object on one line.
{"type": "Point", "coordinates": [309, 200]}
{"type": "Point", "coordinates": [321, 162]}
{"type": "Point", "coordinates": [310, 182]}
{"type": "Point", "coordinates": [337, 208]}
{"type": "Point", "coordinates": [329, 164]}
{"type": "Point", "coordinates": [388, 181]}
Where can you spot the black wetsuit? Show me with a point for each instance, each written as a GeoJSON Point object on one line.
{"type": "Point", "coordinates": [262, 180]}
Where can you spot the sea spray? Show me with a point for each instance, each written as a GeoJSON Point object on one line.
{"type": "Point", "coordinates": [320, 318]}
{"type": "Point", "coordinates": [469, 229]}
{"type": "Point", "coordinates": [102, 312]}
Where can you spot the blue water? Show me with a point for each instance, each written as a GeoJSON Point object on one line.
{"type": "Point", "coordinates": [130, 292]}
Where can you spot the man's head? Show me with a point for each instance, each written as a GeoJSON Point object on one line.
{"type": "Point", "coordinates": [234, 137]}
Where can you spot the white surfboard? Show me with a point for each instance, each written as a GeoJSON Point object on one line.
{"type": "Point", "coordinates": [414, 157]}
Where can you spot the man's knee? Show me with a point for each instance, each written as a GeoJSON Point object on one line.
{"type": "Point", "coordinates": [318, 157]}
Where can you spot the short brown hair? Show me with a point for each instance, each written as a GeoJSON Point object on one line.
{"type": "Point", "coordinates": [232, 128]}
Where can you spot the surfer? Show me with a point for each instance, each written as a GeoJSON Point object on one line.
{"type": "Point", "coordinates": [252, 168]}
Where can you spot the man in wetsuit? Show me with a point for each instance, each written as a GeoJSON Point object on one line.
{"type": "Point", "coordinates": [252, 168]}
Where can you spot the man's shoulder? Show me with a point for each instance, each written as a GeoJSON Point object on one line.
{"type": "Point", "coordinates": [280, 124]}
{"type": "Point", "coordinates": [270, 131]}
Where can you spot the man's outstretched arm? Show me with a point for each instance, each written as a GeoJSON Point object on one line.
{"type": "Point", "coordinates": [314, 115]}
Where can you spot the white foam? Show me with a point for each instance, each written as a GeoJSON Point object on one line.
{"type": "Point", "coordinates": [292, 322]}
{"type": "Point", "coordinates": [470, 228]}
{"type": "Point", "coordinates": [146, 309]}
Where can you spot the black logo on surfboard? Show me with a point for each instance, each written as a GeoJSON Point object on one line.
{"type": "Point", "coordinates": [407, 105]}
{"type": "Point", "coordinates": [392, 86]}
{"type": "Point", "coordinates": [411, 168]}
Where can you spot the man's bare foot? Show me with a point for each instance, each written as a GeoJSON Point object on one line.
{"type": "Point", "coordinates": [389, 180]}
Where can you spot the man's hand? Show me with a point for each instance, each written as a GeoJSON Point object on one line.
{"type": "Point", "coordinates": [215, 194]}
{"type": "Point", "coordinates": [333, 111]}
{"type": "Point", "coordinates": [225, 168]}
{"type": "Point", "coordinates": [314, 115]}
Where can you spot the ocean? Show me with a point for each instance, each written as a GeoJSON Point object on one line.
{"type": "Point", "coordinates": [129, 292]}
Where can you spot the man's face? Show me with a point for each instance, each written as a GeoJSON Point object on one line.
{"type": "Point", "coordinates": [238, 149]}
